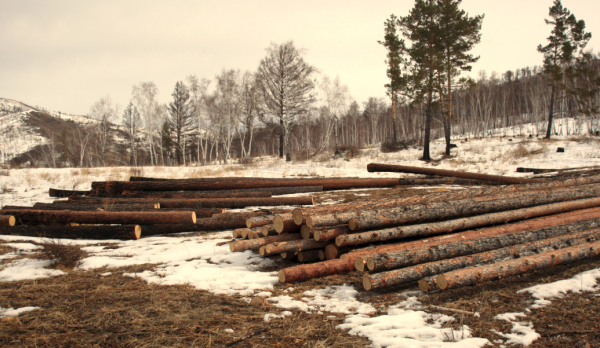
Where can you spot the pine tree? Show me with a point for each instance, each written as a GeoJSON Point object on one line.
{"type": "Point", "coordinates": [181, 117]}
{"type": "Point", "coordinates": [132, 121]}
{"type": "Point", "coordinates": [567, 37]}
{"type": "Point", "coordinates": [166, 139]}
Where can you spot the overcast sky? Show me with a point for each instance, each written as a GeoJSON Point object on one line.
{"type": "Point", "coordinates": [65, 55]}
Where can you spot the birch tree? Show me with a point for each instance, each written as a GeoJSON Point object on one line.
{"type": "Point", "coordinates": [144, 96]}
{"type": "Point", "coordinates": [132, 121]}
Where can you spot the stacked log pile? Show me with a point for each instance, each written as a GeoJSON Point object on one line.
{"type": "Point", "coordinates": [442, 239]}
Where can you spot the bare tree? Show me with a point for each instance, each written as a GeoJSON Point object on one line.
{"type": "Point", "coordinates": [103, 111]}
{"type": "Point", "coordinates": [287, 87]}
{"type": "Point", "coordinates": [132, 121]}
{"type": "Point", "coordinates": [144, 96]}
{"type": "Point", "coordinates": [336, 97]}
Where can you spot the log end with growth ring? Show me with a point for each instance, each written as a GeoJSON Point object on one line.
{"type": "Point", "coordinates": [352, 224]}
{"type": "Point", "coordinates": [10, 220]}
{"type": "Point", "coordinates": [232, 247]}
{"type": "Point", "coordinates": [264, 230]}
{"type": "Point", "coordinates": [137, 231]}
{"type": "Point", "coordinates": [331, 252]}
{"type": "Point", "coordinates": [305, 232]}
{"type": "Point", "coordinates": [309, 222]}
{"type": "Point", "coordinates": [261, 251]}
{"type": "Point", "coordinates": [278, 224]}
{"type": "Point", "coordinates": [316, 235]}
{"type": "Point", "coordinates": [321, 255]}
{"type": "Point", "coordinates": [367, 282]}
{"type": "Point", "coordinates": [425, 286]}
{"type": "Point", "coordinates": [281, 276]}
{"type": "Point", "coordinates": [441, 281]}
{"type": "Point", "coordinates": [297, 216]}
{"type": "Point", "coordinates": [157, 206]}
{"type": "Point", "coordinates": [194, 217]}
{"type": "Point", "coordinates": [248, 223]}
{"type": "Point", "coordinates": [339, 240]}
{"type": "Point", "coordinates": [359, 264]}
{"type": "Point", "coordinates": [370, 263]}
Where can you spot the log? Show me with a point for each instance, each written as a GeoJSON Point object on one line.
{"type": "Point", "coordinates": [575, 221]}
{"type": "Point", "coordinates": [522, 265]}
{"type": "Point", "coordinates": [332, 251]}
{"type": "Point", "coordinates": [315, 270]}
{"type": "Point", "coordinates": [289, 255]}
{"type": "Point", "coordinates": [66, 193]}
{"type": "Point", "coordinates": [284, 223]}
{"type": "Point", "coordinates": [330, 234]}
{"type": "Point", "coordinates": [7, 220]}
{"type": "Point", "coordinates": [306, 232]}
{"type": "Point", "coordinates": [75, 232]}
{"type": "Point", "coordinates": [292, 246]}
{"type": "Point", "coordinates": [192, 194]}
{"type": "Point", "coordinates": [117, 187]}
{"type": "Point", "coordinates": [221, 222]}
{"type": "Point", "coordinates": [400, 259]}
{"type": "Point", "coordinates": [255, 244]}
{"type": "Point", "coordinates": [536, 170]}
{"type": "Point", "coordinates": [427, 270]}
{"type": "Point", "coordinates": [95, 207]}
{"type": "Point", "coordinates": [422, 230]}
{"type": "Point", "coordinates": [200, 212]}
{"type": "Point", "coordinates": [370, 219]}
{"type": "Point", "coordinates": [378, 167]}
{"type": "Point", "coordinates": [242, 232]}
{"type": "Point", "coordinates": [100, 217]}
{"type": "Point", "coordinates": [259, 221]}
{"type": "Point", "coordinates": [241, 202]}
{"type": "Point", "coordinates": [308, 255]}
{"type": "Point", "coordinates": [445, 181]}
{"type": "Point", "coordinates": [273, 191]}
{"type": "Point", "coordinates": [268, 230]}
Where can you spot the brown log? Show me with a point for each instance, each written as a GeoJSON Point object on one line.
{"type": "Point", "coordinates": [95, 207]}
{"type": "Point", "coordinates": [316, 270]}
{"type": "Point", "coordinates": [200, 212]}
{"type": "Point", "coordinates": [370, 219]}
{"type": "Point", "coordinates": [192, 194]}
{"type": "Point", "coordinates": [100, 217]}
{"type": "Point", "coordinates": [536, 170]}
{"type": "Point", "coordinates": [273, 191]}
{"type": "Point", "coordinates": [522, 265]}
{"type": "Point", "coordinates": [425, 270]}
{"type": "Point", "coordinates": [255, 244]}
{"type": "Point", "coordinates": [426, 284]}
{"type": "Point", "coordinates": [66, 193]}
{"type": "Point", "coordinates": [332, 251]}
{"type": "Point", "coordinates": [242, 232]}
{"type": "Point", "coordinates": [378, 167]}
{"type": "Point", "coordinates": [306, 232]}
{"type": "Point", "coordinates": [321, 255]}
{"type": "Point", "coordinates": [463, 223]}
{"type": "Point", "coordinates": [259, 221]}
{"type": "Point", "coordinates": [400, 259]}
{"type": "Point", "coordinates": [268, 230]}
{"type": "Point", "coordinates": [241, 202]}
{"type": "Point", "coordinates": [284, 223]}
{"type": "Point", "coordinates": [308, 255]}
{"type": "Point", "coordinates": [446, 181]}
{"type": "Point", "coordinates": [7, 220]}
{"type": "Point", "coordinates": [579, 219]}
{"type": "Point", "coordinates": [325, 234]}
{"type": "Point", "coordinates": [117, 187]}
{"type": "Point", "coordinates": [221, 222]}
{"type": "Point", "coordinates": [75, 232]}
{"type": "Point", "coordinates": [289, 255]}
{"type": "Point", "coordinates": [292, 246]}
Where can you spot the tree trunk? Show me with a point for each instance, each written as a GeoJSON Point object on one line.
{"type": "Point", "coordinates": [66, 193]}
{"type": "Point", "coordinates": [274, 191]}
{"type": "Point", "coordinates": [285, 224]}
{"type": "Point", "coordinates": [292, 246]}
{"type": "Point", "coordinates": [259, 221]}
{"type": "Point", "coordinates": [518, 266]}
{"type": "Point", "coordinates": [308, 255]}
{"type": "Point", "coordinates": [551, 114]}
{"type": "Point", "coordinates": [241, 202]}
{"type": "Point", "coordinates": [268, 230]}
{"type": "Point", "coordinates": [220, 222]}
{"type": "Point", "coordinates": [75, 232]}
{"type": "Point", "coordinates": [93, 207]}
{"type": "Point", "coordinates": [98, 217]}
{"type": "Point", "coordinates": [192, 195]}
{"type": "Point", "coordinates": [257, 243]}
{"type": "Point", "coordinates": [316, 270]}
{"type": "Point", "coordinates": [378, 167]}
{"type": "Point", "coordinates": [423, 230]}
{"type": "Point", "coordinates": [323, 234]}
{"type": "Point", "coordinates": [414, 273]}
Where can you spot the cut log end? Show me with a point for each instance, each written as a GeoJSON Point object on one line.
{"type": "Point", "coordinates": [193, 217]}
{"type": "Point", "coordinates": [281, 276]}
{"type": "Point", "coordinates": [352, 224]}
{"type": "Point", "coordinates": [261, 251]}
{"type": "Point", "coordinates": [425, 286]}
{"type": "Point", "coordinates": [317, 235]}
{"type": "Point", "coordinates": [297, 216]}
{"type": "Point", "coordinates": [137, 231]}
{"type": "Point", "coordinates": [232, 247]}
{"type": "Point", "coordinates": [339, 240]}
{"type": "Point", "coordinates": [331, 252]}
{"type": "Point", "coordinates": [441, 281]}
{"type": "Point", "coordinates": [12, 220]}
{"type": "Point", "coordinates": [359, 264]}
{"type": "Point", "coordinates": [367, 283]}
{"type": "Point", "coordinates": [321, 255]}
{"type": "Point", "coordinates": [370, 263]}
{"type": "Point", "coordinates": [305, 232]}
{"type": "Point", "coordinates": [278, 224]}
{"type": "Point", "coordinates": [249, 223]}
{"type": "Point", "coordinates": [264, 230]}
{"type": "Point", "coordinates": [234, 234]}
{"type": "Point", "coordinates": [309, 222]}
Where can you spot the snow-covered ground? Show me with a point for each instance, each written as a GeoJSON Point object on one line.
{"type": "Point", "coordinates": [197, 260]}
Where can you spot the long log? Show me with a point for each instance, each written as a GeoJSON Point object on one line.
{"type": "Point", "coordinates": [330, 233]}
{"type": "Point", "coordinates": [95, 207]}
{"type": "Point", "coordinates": [445, 181]}
{"type": "Point", "coordinates": [7, 220]}
{"type": "Point", "coordinates": [241, 202]}
{"type": "Point", "coordinates": [268, 230]}
{"type": "Point", "coordinates": [259, 221]}
{"type": "Point", "coordinates": [292, 246]}
{"type": "Point", "coordinates": [422, 230]}
{"type": "Point", "coordinates": [117, 187]}
{"type": "Point", "coordinates": [75, 232]}
{"type": "Point", "coordinates": [536, 170]}
{"type": "Point", "coordinates": [284, 223]}
{"type": "Point", "coordinates": [439, 211]}
{"type": "Point", "coordinates": [218, 222]}
{"type": "Point", "coordinates": [518, 266]}
{"type": "Point", "coordinates": [273, 191]}
{"type": "Point", "coordinates": [577, 220]}
{"type": "Point", "coordinates": [346, 263]}
{"type": "Point", "coordinates": [308, 255]}
{"type": "Point", "coordinates": [100, 217]}
{"type": "Point", "coordinates": [257, 243]}
{"type": "Point", "coordinates": [379, 167]}
{"type": "Point", "coordinates": [66, 193]}
{"type": "Point", "coordinates": [400, 259]}
{"type": "Point", "coordinates": [200, 212]}
{"type": "Point", "coordinates": [193, 195]}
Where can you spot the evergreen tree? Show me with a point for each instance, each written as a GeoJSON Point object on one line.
{"type": "Point", "coordinates": [132, 121]}
{"type": "Point", "coordinates": [181, 117]}
{"type": "Point", "coordinates": [568, 36]}
{"type": "Point", "coordinates": [166, 139]}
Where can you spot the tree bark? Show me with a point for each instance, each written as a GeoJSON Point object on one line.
{"type": "Point", "coordinates": [259, 221]}
{"type": "Point", "coordinates": [292, 246]}
{"type": "Point", "coordinates": [201, 203]}
{"type": "Point", "coordinates": [98, 217]}
{"type": "Point", "coordinates": [75, 232]}
{"type": "Point", "coordinates": [378, 167]}
{"type": "Point", "coordinates": [66, 193]}
{"type": "Point", "coordinates": [117, 187]}
{"type": "Point", "coordinates": [324, 234]}
{"type": "Point", "coordinates": [370, 219]}
{"type": "Point", "coordinates": [518, 266]}
{"type": "Point", "coordinates": [423, 230]}
{"type": "Point", "coordinates": [257, 243]}
{"type": "Point", "coordinates": [316, 270]}
{"type": "Point", "coordinates": [414, 273]}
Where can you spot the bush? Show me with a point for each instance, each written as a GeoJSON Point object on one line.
{"type": "Point", "coordinates": [391, 146]}
{"type": "Point", "coordinates": [65, 255]}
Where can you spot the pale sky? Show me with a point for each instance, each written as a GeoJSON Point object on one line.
{"type": "Point", "coordinates": [65, 55]}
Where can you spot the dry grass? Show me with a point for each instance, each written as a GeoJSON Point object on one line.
{"type": "Point", "coordinates": [65, 256]}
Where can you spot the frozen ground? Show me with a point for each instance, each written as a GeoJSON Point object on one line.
{"type": "Point", "coordinates": [198, 261]}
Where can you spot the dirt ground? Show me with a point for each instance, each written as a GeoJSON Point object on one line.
{"type": "Point", "coordinates": [85, 309]}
